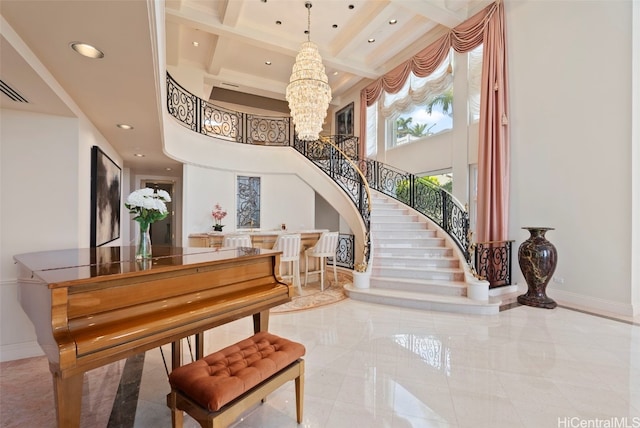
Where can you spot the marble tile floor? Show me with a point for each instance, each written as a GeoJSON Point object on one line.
{"type": "Point", "coordinates": [370, 365]}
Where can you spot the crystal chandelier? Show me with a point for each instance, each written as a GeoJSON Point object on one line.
{"type": "Point", "coordinates": [308, 92]}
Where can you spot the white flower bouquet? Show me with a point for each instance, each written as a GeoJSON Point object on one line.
{"type": "Point", "coordinates": [148, 205]}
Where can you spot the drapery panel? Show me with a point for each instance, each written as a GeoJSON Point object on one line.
{"type": "Point", "coordinates": [486, 27]}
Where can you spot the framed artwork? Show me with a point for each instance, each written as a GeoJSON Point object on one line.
{"type": "Point", "coordinates": [105, 198]}
{"type": "Point", "coordinates": [248, 202]}
{"type": "Point", "coordinates": [344, 120]}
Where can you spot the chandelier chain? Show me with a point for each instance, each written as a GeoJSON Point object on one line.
{"type": "Point", "coordinates": [308, 92]}
{"type": "Point", "coordinates": [308, 6]}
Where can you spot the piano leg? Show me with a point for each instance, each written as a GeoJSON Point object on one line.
{"type": "Point", "coordinates": [261, 321]}
{"type": "Point", "coordinates": [176, 354]}
{"type": "Point", "coordinates": [68, 399]}
{"type": "Point", "coordinates": [199, 345]}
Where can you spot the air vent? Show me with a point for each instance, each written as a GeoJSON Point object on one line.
{"type": "Point", "coordinates": [12, 93]}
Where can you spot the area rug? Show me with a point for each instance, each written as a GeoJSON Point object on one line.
{"type": "Point", "coordinates": [312, 297]}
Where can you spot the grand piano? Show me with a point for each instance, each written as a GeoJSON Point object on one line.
{"type": "Point", "coordinates": [94, 306]}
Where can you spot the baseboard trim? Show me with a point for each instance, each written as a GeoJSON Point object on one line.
{"type": "Point", "coordinates": [18, 351]}
{"type": "Point", "coordinates": [592, 304]}
{"type": "Point", "coordinates": [501, 291]}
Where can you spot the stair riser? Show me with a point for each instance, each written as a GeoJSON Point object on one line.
{"type": "Point", "coordinates": [408, 243]}
{"type": "Point", "coordinates": [405, 234]}
{"type": "Point", "coordinates": [417, 288]}
{"type": "Point", "coordinates": [387, 211]}
{"type": "Point", "coordinates": [425, 305]}
{"type": "Point", "coordinates": [417, 274]}
{"type": "Point", "coordinates": [412, 252]}
{"type": "Point", "coordinates": [377, 218]}
{"type": "Point", "coordinates": [425, 262]}
{"type": "Point", "coordinates": [398, 226]}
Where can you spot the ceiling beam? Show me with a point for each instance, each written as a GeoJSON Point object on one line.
{"type": "Point", "coordinates": [203, 22]}
{"type": "Point", "coordinates": [434, 10]}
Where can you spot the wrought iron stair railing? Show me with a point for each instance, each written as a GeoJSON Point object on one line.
{"type": "Point", "coordinates": [492, 261]}
{"type": "Point", "coordinates": [335, 157]}
{"type": "Point", "coordinates": [423, 196]}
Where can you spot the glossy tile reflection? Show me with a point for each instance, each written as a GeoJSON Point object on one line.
{"type": "Point", "coordinates": [378, 366]}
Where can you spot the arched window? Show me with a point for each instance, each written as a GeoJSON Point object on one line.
{"type": "Point", "coordinates": [422, 108]}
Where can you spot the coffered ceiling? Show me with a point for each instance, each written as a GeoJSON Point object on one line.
{"type": "Point", "coordinates": [235, 39]}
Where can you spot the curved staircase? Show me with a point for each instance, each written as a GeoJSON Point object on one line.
{"type": "Point", "coordinates": [414, 265]}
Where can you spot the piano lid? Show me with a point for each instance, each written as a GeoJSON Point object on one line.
{"type": "Point", "coordinates": [69, 265]}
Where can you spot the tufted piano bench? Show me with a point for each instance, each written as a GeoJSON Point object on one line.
{"type": "Point", "coordinates": [218, 388]}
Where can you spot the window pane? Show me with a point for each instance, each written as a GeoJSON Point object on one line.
{"type": "Point", "coordinates": [424, 120]}
{"type": "Point", "coordinates": [444, 180]}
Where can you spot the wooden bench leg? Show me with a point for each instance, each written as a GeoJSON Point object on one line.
{"type": "Point", "coordinates": [300, 393]}
{"type": "Point", "coordinates": [177, 416]}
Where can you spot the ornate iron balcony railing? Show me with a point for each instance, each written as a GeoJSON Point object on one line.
{"type": "Point", "coordinates": [336, 159]}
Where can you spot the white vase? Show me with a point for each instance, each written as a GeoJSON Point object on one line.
{"type": "Point", "coordinates": [361, 279]}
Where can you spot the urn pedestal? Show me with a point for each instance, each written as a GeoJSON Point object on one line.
{"type": "Point", "coordinates": [537, 258]}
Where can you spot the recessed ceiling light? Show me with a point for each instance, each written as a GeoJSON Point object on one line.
{"type": "Point", "coordinates": [371, 40]}
{"type": "Point", "coordinates": [351, 6]}
{"type": "Point", "coordinates": [335, 73]}
{"type": "Point", "coordinates": [138, 155]}
{"type": "Point", "coordinates": [167, 169]}
{"type": "Point", "coordinates": [393, 21]}
{"type": "Point", "coordinates": [124, 126]}
{"type": "Point", "coordinates": [87, 50]}
{"type": "Point", "coordinates": [335, 26]}
{"type": "Point", "coordinates": [278, 22]}
{"type": "Point", "coordinates": [196, 44]}
{"type": "Point", "coordinates": [268, 62]}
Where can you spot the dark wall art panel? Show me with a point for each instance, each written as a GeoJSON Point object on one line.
{"type": "Point", "coordinates": [344, 121]}
{"type": "Point", "coordinates": [248, 200]}
{"type": "Point", "coordinates": [105, 198]}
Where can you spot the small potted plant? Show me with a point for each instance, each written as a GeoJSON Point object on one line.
{"type": "Point", "coordinates": [218, 214]}
{"type": "Point", "coordinates": [360, 275]}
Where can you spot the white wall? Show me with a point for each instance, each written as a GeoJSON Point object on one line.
{"type": "Point", "coordinates": [635, 162]}
{"type": "Point", "coordinates": [284, 199]}
{"type": "Point", "coordinates": [431, 154]}
{"type": "Point", "coordinates": [326, 216]}
{"type": "Point", "coordinates": [45, 204]}
{"type": "Point", "coordinates": [39, 209]}
{"type": "Point", "coordinates": [570, 77]}
{"type": "Point", "coordinates": [191, 78]}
